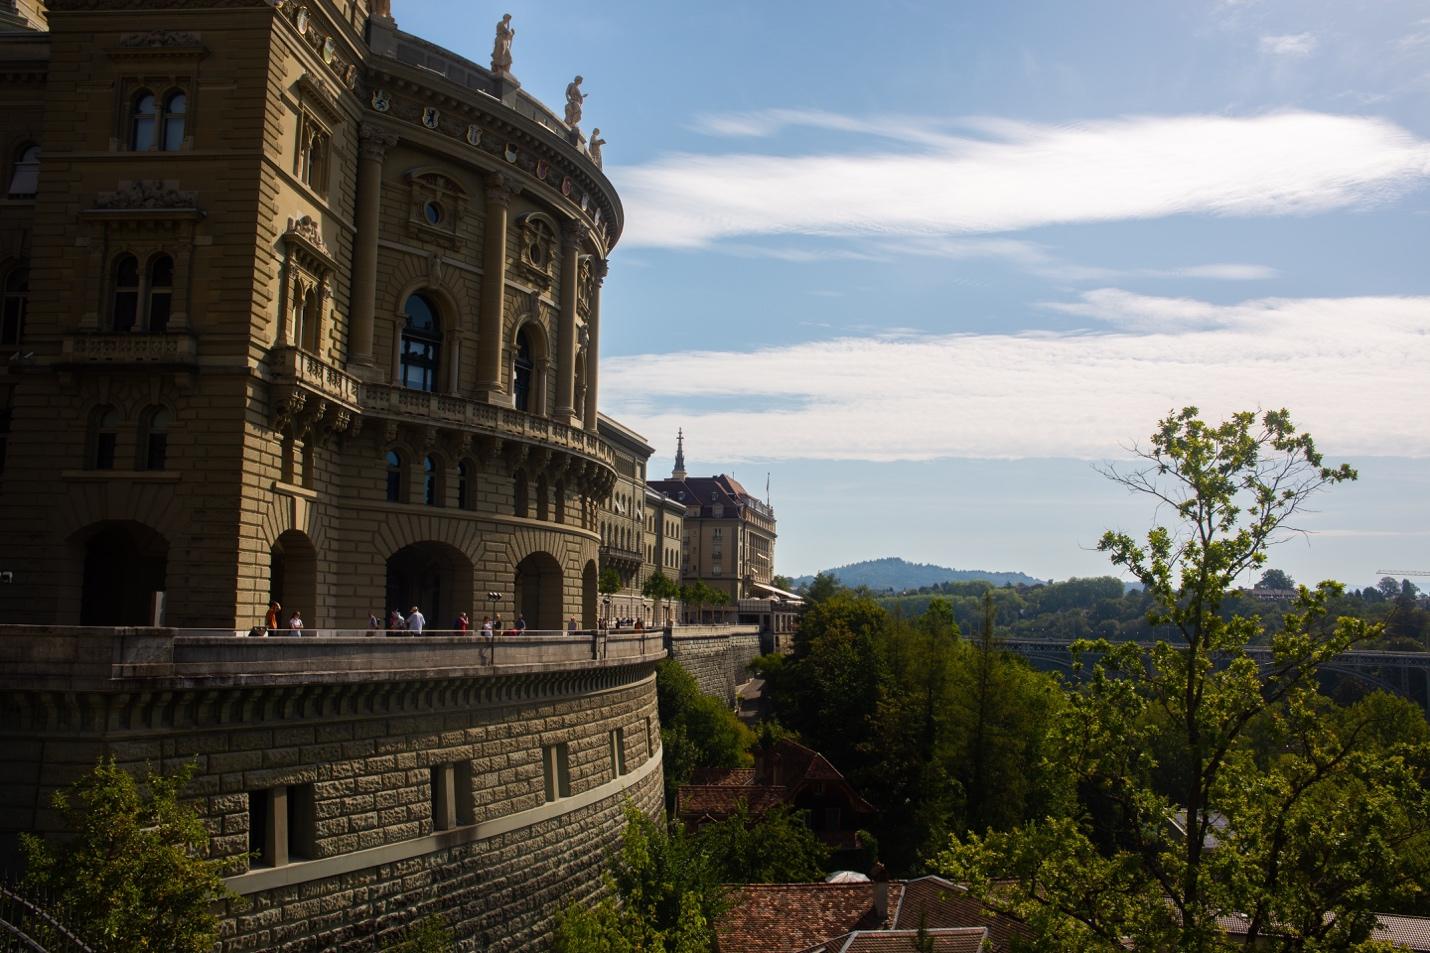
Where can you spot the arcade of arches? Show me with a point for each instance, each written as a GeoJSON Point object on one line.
{"type": "Point", "coordinates": [124, 574]}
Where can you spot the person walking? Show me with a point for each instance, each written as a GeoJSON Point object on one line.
{"type": "Point", "coordinates": [416, 621]}
{"type": "Point", "coordinates": [270, 621]}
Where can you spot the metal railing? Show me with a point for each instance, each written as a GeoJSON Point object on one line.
{"type": "Point", "coordinates": [32, 926]}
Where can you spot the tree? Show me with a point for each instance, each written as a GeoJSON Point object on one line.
{"type": "Point", "coordinates": [1169, 817]}
{"type": "Point", "coordinates": [660, 587]}
{"type": "Point", "coordinates": [824, 585]}
{"type": "Point", "coordinates": [663, 896]}
{"type": "Point", "coordinates": [782, 582]}
{"type": "Point", "coordinates": [696, 731]}
{"type": "Point", "coordinates": [774, 847]}
{"type": "Point", "coordinates": [1276, 579]}
{"type": "Point", "coordinates": [609, 582]}
{"type": "Point", "coordinates": [134, 873]}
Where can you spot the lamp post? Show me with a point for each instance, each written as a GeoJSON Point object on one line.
{"type": "Point", "coordinates": [493, 597]}
{"type": "Point", "coordinates": [605, 611]}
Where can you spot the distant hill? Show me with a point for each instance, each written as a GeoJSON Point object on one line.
{"type": "Point", "coordinates": [897, 574]}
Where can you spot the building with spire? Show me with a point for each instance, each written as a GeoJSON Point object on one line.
{"type": "Point", "coordinates": [729, 544]}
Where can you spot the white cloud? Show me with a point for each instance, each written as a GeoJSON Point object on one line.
{"type": "Point", "coordinates": [1022, 175]}
{"type": "Point", "coordinates": [1338, 364]}
{"type": "Point", "coordinates": [1290, 44]}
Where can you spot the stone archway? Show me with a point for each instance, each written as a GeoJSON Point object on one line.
{"type": "Point", "coordinates": [589, 595]}
{"type": "Point", "coordinates": [435, 577]}
{"type": "Point", "coordinates": [537, 592]}
{"type": "Point", "coordinates": [124, 574]}
{"type": "Point", "coordinates": [293, 576]}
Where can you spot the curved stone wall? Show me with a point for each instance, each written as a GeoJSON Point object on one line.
{"type": "Point", "coordinates": [376, 787]}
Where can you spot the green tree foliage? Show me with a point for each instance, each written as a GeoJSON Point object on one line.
{"type": "Point", "coordinates": [775, 847]}
{"type": "Point", "coordinates": [824, 585]}
{"type": "Point", "coordinates": [1276, 579]}
{"type": "Point", "coordinates": [696, 731]}
{"type": "Point", "coordinates": [663, 896]}
{"type": "Point", "coordinates": [1289, 813]}
{"type": "Point", "coordinates": [660, 588]}
{"type": "Point", "coordinates": [700, 594]}
{"type": "Point", "coordinates": [609, 581]}
{"type": "Point", "coordinates": [893, 704]}
{"type": "Point", "coordinates": [134, 873]}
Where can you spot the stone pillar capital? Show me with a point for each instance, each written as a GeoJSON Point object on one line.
{"type": "Point", "coordinates": [500, 189]}
{"type": "Point", "coordinates": [572, 234]}
{"type": "Point", "coordinates": [374, 141]}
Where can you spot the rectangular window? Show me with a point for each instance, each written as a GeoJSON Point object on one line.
{"type": "Point", "coordinates": [444, 814]}
{"type": "Point", "coordinates": [649, 737]}
{"type": "Point", "coordinates": [302, 823]}
{"type": "Point", "coordinates": [282, 825]}
{"type": "Point", "coordinates": [104, 451]}
{"type": "Point", "coordinates": [618, 752]}
{"type": "Point", "coordinates": [260, 846]}
{"type": "Point", "coordinates": [466, 802]}
{"type": "Point", "coordinates": [556, 771]}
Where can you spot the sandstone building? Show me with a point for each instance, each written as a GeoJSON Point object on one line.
{"type": "Point", "coordinates": [296, 306]}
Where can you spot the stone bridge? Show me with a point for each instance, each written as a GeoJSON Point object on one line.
{"type": "Point", "coordinates": [1403, 673]}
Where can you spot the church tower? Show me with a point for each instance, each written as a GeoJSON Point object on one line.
{"type": "Point", "coordinates": [679, 472]}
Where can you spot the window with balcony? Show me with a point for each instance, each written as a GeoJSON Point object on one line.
{"type": "Point", "coordinates": [307, 317]}
{"type": "Point", "coordinates": [431, 480]}
{"type": "Point", "coordinates": [524, 375]}
{"type": "Point", "coordinates": [154, 439]}
{"type": "Point", "coordinates": [141, 301]}
{"type": "Point", "coordinates": [421, 344]}
{"type": "Point", "coordinates": [311, 158]}
{"type": "Point", "coordinates": [14, 296]}
{"type": "Point", "coordinates": [104, 438]}
{"type": "Point", "coordinates": [157, 123]}
{"type": "Point", "coordinates": [464, 485]}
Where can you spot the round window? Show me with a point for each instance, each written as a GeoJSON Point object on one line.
{"type": "Point", "coordinates": [433, 212]}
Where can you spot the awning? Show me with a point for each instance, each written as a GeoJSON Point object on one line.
{"type": "Point", "coordinates": [779, 592]}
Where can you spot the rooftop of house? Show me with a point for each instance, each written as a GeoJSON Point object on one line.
{"type": "Point", "coordinates": [941, 940]}
{"type": "Point", "coordinates": [781, 772]}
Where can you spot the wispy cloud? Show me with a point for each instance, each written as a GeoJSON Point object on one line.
{"type": "Point", "coordinates": [1019, 175]}
{"type": "Point", "coordinates": [1290, 44]}
{"type": "Point", "coordinates": [1040, 260]}
{"type": "Point", "coordinates": [1337, 363]}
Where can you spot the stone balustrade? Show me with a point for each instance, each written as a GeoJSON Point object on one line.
{"type": "Point", "coordinates": [289, 364]}
{"type": "Point", "coordinates": [129, 348]}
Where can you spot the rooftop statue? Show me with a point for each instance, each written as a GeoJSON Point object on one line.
{"type": "Point", "coordinates": [501, 49]}
{"type": "Point", "coordinates": [594, 148]}
{"type": "Point", "coordinates": [574, 99]}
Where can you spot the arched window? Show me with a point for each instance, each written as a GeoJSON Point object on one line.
{"type": "Point", "coordinates": [431, 481]}
{"type": "Point", "coordinates": [523, 372]}
{"type": "Point", "coordinates": [14, 294]}
{"type": "Point", "coordinates": [560, 501]}
{"type": "Point", "coordinates": [542, 505]}
{"type": "Point", "coordinates": [421, 344]}
{"type": "Point", "coordinates": [154, 439]}
{"type": "Point", "coordinates": [519, 492]}
{"type": "Point", "coordinates": [25, 178]}
{"type": "Point", "coordinates": [105, 438]}
{"type": "Point", "coordinates": [144, 117]}
{"type": "Point", "coordinates": [125, 309]}
{"type": "Point", "coordinates": [176, 106]}
{"type": "Point", "coordinates": [464, 498]}
{"type": "Point", "coordinates": [394, 477]}
{"type": "Point", "coordinates": [160, 294]}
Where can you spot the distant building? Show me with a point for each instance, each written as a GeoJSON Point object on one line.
{"type": "Point", "coordinates": [729, 543]}
{"type": "Point", "coordinates": [786, 773]}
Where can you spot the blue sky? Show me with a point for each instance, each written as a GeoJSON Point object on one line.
{"type": "Point", "coordinates": [924, 263]}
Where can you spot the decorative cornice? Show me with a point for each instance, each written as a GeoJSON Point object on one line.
{"type": "Point", "coordinates": [160, 38]}
{"type": "Point", "coordinates": [147, 194]}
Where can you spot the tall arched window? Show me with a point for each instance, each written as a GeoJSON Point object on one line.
{"type": "Point", "coordinates": [176, 107]}
{"type": "Point", "coordinates": [431, 481]}
{"type": "Point", "coordinates": [464, 491]}
{"type": "Point", "coordinates": [560, 501]}
{"type": "Point", "coordinates": [306, 313]}
{"type": "Point", "coordinates": [144, 116]}
{"type": "Point", "coordinates": [394, 477]}
{"type": "Point", "coordinates": [125, 308]}
{"type": "Point", "coordinates": [105, 438]}
{"type": "Point", "coordinates": [160, 296]}
{"type": "Point", "coordinates": [523, 373]}
{"type": "Point", "coordinates": [421, 344]}
{"type": "Point", "coordinates": [25, 178]}
{"type": "Point", "coordinates": [541, 498]}
{"type": "Point", "coordinates": [16, 293]}
{"type": "Point", "coordinates": [154, 439]}
{"type": "Point", "coordinates": [519, 492]}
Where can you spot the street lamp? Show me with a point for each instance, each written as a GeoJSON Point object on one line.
{"type": "Point", "coordinates": [606, 610]}
{"type": "Point", "coordinates": [494, 596]}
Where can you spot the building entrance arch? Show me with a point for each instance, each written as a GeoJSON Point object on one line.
{"type": "Point", "coordinates": [293, 576]}
{"type": "Point", "coordinates": [537, 591]}
{"type": "Point", "coordinates": [124, 575]}
{"type": "Point", "coordinates": [435, 577]}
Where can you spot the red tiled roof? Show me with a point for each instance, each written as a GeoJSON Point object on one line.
{"type": "Point", "coordinates": [783, 918]}
{"type": "Point", "coordinates": [945, 940]}
{"type": "Point", "coordinates": [1413, 933]}
{"type": "Point", "coordinates": [722, 800]}
{"type": "Point", "coordinates": [723, 776]}
{"type": "Point", "coordinates": [932, 902]}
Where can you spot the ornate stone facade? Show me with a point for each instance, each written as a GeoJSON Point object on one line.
{"type": "Point", "coordinates": [308, 310]}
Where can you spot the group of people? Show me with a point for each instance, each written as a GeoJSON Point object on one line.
{"type": "Point", "coordinates": [415, 623]}
{"type": "Point", "coordinates": [273, 622]}
{"type": "Point", "coordinates": [637, 624]}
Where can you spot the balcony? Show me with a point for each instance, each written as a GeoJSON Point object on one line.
{"type": "Point", "coordinates": [441, 410]}
{"type": "Point", "coordinates": [125, 347]}
{"type": "Point", "coordinates": [620, 556]}
{"type": "Point", "coordinates": [293, 368]}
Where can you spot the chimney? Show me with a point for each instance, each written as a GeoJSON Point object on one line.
{"type": "Point", "coordinates": [880, 878]}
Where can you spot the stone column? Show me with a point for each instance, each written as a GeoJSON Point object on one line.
{"type": "Point", "coordinates": [566, 332]}
{"type": "Point", "coordinates": [593, 338]}
{"type": "Point", "coordinates": [373, 144]}
{"type": "Point", "coordinates": [489, 341]}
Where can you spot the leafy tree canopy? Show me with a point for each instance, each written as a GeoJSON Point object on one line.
{"type": "Point", "coordinates": [1276, 579]}
{"type": "Point", "coordinates": [775, 847]}
{"type": "Point", "coordinates": [134, 874]}
{"type": "Point", "coordinates": [1195, 783]}
{"type": "Point", "coordinates": [696, 731]}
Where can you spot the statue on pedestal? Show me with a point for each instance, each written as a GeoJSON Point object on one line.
{"type": "Point", "coordinates": [593, 149]}
{"type": "Point", "coordinates": [574, 99]}
{"type": "Point", "coordinates": [501, 49]}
